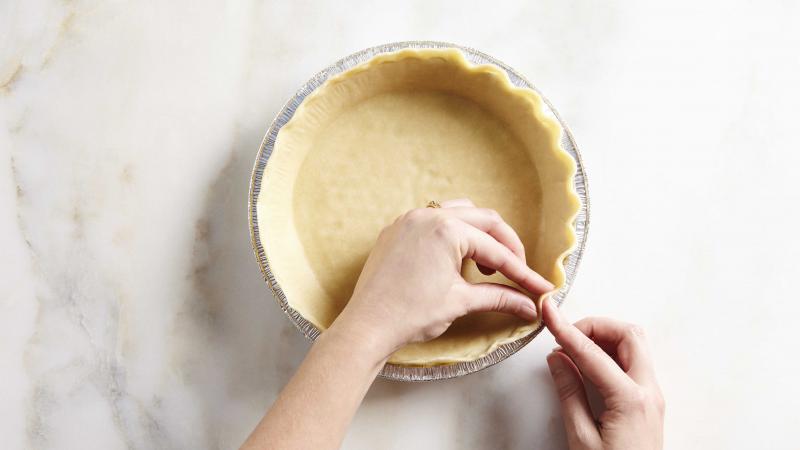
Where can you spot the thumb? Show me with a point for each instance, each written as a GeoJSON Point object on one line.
{"type": "Point", "coordinates": [578, 419]}
{"type": "Point", "coordinates": [499, 298]}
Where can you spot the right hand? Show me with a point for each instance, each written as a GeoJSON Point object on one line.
{"type": "Point", "coordinates": [634, 407]}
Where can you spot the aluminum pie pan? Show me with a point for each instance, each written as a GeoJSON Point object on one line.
{"type": "Point", "coordinates": [394, 371]}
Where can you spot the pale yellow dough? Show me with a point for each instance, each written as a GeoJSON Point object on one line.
{"type": "Point", "coordinates": [390, 135]}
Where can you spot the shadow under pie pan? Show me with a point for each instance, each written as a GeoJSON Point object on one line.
{"type": "Point", "coordinates": [386, 130]}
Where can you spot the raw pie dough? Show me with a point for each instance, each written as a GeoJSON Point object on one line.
{"type": "Point", "coordinates": [390, 135]}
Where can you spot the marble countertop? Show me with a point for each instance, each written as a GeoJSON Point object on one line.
{"type": "Point", "coordinates": [133, 314]}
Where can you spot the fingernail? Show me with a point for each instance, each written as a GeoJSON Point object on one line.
{"type": "Point", "coordinates": [556, 349]}
{"type": "Point", "coordinates": [555, 363]}
{"type": "Point", "coordinates": [554, 318]}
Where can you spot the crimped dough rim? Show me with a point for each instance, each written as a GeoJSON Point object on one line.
{"type": "Point", "coordinates": [277, 183]}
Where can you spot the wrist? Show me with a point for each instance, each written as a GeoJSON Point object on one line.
{"type": "Point", "coordinates": [368, 341]}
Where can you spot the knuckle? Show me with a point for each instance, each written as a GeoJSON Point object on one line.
{"type": "Point", "coordinates": [493, 216]}
{"type": "Point", "coordinates": [636, 400]}
{"type": "Point", "coordinates": [567, 389]}
{"type": "Point", "coordinates": [527, 279]}
{"type": "Point", "coordinates": [464, 302]}
{"type": "Point", "coordinates": [642, 401]}
{"type": "Point", "coordinates": [415, 215]}
{"type": "Point", "coordinates": [584, 435]}
{"type": "Point", "coordinates": [445, 226]}
{"type": "Point", "coordinates": [507, 261]}
{"type": "Point", "coordinates": [566, 386]}
{"type": "Point", "coordinates": [659, 402]}
{"type": "Point", "coordinates": [636, 331]}
{"type": "Point", "coordinates": [587, 347]}
{"type": "Point", "coordinates": [502, 301]}
{"type": "Point", "coordinates": [589, 322]}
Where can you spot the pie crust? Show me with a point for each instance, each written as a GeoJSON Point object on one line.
{"type": "Point", "coordinates": [392, 134]}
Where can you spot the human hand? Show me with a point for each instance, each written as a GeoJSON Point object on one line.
{"type": "Point", "coordinates": [411, 288]}
{"type": "Point", "coordinates": [612, 355]}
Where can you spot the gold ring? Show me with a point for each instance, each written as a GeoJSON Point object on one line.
{"type": "Point", "coordinates": [433, 204]}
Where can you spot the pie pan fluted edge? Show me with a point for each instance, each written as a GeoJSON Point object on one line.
{"type": "Point", "coordinates": [412, 373]}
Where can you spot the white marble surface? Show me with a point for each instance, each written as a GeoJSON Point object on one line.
{"type": "Point", "coordinates": [132, 312]}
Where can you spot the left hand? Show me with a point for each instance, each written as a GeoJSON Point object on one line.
{"type": "Point", "coordinates": [411, 288]}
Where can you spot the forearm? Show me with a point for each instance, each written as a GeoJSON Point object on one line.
{"type": "Point", "coordinates": [410, 290]}
{"type": "Point", "coordinates": [318, 403]}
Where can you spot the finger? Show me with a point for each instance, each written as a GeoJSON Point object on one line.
{"type": "Point", "coordinates": [579, 421]}
{"type": "Point", "coordinates": [485, 250]}
{"type": "Point", "coordinates": [458, 202]}
{"type": "Point", "coordinates": [489, 221]}
{"type": "Point", "coordinates": [499, 298]}
{"type": "Point", "coordinates": [467, 203]}
{"type": "Point", "coordinates": [628, 341]}
{"type": "Point", "coordinates": [592, 361]}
